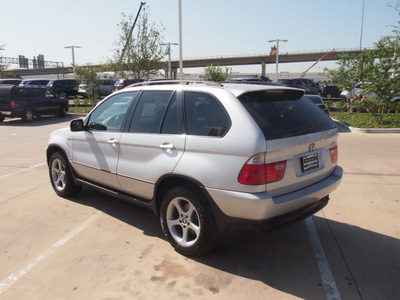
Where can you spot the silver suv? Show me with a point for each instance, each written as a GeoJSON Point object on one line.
{"type": "Point", "coordinates": [202, 156]}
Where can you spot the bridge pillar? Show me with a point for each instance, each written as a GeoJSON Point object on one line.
{"type": "Point", "coordinates": [263, 68]}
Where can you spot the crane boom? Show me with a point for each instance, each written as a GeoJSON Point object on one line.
{"type": "Point", "coordinates": [130, 33]}
{"type": "Point", "coordinates": [325, 55]}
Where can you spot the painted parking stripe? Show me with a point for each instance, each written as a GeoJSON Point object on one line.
{"type": "Point", "coordinates": [22, 170]}
{"type": "Point", "coordinates": [331, 290]}
{"type": "Point", "coordinates": [13, 278]}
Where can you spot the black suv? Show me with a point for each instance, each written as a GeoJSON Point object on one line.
{"type": "Point", "coordinates": [330, 91]}
{"type": "Point", "coordinates": [302, 83]}
{"type": "Point", "coordinates": [28, 102]}
{"type": "Point", "coordinates": [64, 87]}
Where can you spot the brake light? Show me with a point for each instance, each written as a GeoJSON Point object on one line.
{"type": "Point", "coordinates": [12, 104]}
{"type": "Point", "coordinates": [256, 172]}
{"type": "Point", "coordinates": [276, 171]}
{"type": "Point", "coordinates": [334, 152]}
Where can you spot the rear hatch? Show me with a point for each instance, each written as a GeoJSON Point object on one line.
{"type": "Point", "coordinates": [300, 137]}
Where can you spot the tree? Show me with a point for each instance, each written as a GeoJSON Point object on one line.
{"type": "Point", "coordinates": [143, 53]}
{"type": "Point", "coordinates": [376, 70]}
{"type": "Point", "coordinates": [90, 75]}
{"type": "Point", "coordinates": [218, 74]}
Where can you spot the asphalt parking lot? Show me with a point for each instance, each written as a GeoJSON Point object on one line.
{"type": "Point", "coordinates": [97, 247]}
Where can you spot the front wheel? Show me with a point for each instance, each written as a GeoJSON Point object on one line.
{"type": "Point", "coordinates": [188, 222]}
{"type": "Point", "coordinates": [61, 176]}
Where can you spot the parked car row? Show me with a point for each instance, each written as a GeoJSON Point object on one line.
{"type": "Point", "coordinates": [70, 87]}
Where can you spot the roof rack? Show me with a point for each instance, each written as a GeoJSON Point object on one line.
{"type": "Point", "coordinates": [182, 82]}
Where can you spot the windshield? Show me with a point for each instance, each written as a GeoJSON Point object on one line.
{"type": "Point", "coordinates": [285, 113]}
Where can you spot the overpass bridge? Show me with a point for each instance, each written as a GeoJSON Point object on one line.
{"type": "Point", "coordinates": [255, 59]}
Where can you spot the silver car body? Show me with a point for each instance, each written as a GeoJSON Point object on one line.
{"type": "Point", "coordinates": [135, 162]}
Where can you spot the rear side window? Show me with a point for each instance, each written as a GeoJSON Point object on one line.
{"type": "Point", "coordinates": [283, 113]}
{"type": "Point", "coordinates": [150, 111]}
{"type": "Point", "coordinates": [205, 115]}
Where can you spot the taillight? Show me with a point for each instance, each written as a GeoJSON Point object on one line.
{"type": "Point", "coordinates": [334, 152]}
{"type": "Point", "coordinates": [12, 104]}
{"type": "Point", "coordinates": [256, 172]}
{"type": "Point", "coordinates": [276, 171]}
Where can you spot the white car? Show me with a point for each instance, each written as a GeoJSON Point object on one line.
{"type": "Point", "coordinates": [203, 156]}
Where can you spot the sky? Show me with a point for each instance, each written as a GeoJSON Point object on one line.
{"type": "Point", "coordinates": [210, 28]}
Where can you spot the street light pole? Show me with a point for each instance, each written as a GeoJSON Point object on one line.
{"type": "Point", "coordinates": [73, 56]}
{"type": "Point", "coordinates": [362, 24]}
{"type": "Point", "coordinates": [180, 42]}
{"type": "Point", "coordinates": [277, 55]}
{"type": "Point", "coordinates": [169, 58]}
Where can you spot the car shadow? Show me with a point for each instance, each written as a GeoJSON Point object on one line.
{"type": "Point", "coordinates": [41, 121]}
{"type": "Point", "coordinates": [283, 258]}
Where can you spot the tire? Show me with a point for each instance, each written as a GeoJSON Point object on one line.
{"type": "Point", "coordinates": [2, 117]}
{"type": "Point", "coordinates": [61, 176]}
{"type": "Point", "coordinates": [28, 116]}
{"type": "Point", "coordinates": [62, 94]}
{"type": "Point", "coordinates": [187, 222]}
{"type": "Point", "coordinates": [62, 111]}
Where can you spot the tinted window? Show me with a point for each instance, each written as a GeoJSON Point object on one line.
{"type": "Point", "coordinates": [150, 111]}
{"type": "Point", "coordinates": [205, 115]}
{"type": "Point", "coordinates": [109, 115]}
{"type": "Point", "coordinates": [283, 114]}
{"type": "Point", "coordinates": [173, 123]}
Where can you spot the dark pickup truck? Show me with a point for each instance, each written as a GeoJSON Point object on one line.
{"type": "Point", "coordinates": [28, 102]}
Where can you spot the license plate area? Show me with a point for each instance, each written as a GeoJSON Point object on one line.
{"type": "Point", "coordinates": [310, 162]}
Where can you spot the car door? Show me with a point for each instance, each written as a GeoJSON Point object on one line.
{"type": "Point", "coordinates": [153, 144]}
{"type": "Point", "coordinates": [48, 101]}
{"type": "Point", "coordinates": [96, 149]}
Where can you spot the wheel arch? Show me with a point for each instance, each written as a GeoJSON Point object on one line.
{"type": "Point", "coordinates": [170, 181]}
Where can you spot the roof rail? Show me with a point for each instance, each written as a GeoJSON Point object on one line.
{"type": "Point", "coordinates": [182, 82]}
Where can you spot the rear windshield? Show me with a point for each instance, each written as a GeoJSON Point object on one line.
{"type": "Point", "coordinates": [285, 113]}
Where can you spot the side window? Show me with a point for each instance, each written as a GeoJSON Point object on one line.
{"type": "Point", "coordinates": [150, 111]}
{"type": "Point", "coordinates": [108, 116]}
{"type": "Point", "coordinates": [205, 115]}
{"type": "Point", "coordinates": [173, 123]}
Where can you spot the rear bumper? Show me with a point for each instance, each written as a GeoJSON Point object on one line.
{"type": "Point", "coordinates": [262, 207]}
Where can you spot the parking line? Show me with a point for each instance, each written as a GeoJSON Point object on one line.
{"type": "Point", "coordinates": [331, 290]}
{"type": "Point", "coordinates": [23, 170]}
{"type": "Point", "coordinates": [13, 278]}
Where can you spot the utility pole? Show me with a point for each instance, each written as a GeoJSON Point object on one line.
{"type": "Point", "coordinates": [169, 58]}
{"type": "Point", "coordinates": [73, 56]}
{"type": "Point", "coordinates": [277, 55]}
{"type": "Point", "coordinates": [180, 42]}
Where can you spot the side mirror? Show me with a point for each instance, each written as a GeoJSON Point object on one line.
{"type": "Point", "coordinates": [77, 125]}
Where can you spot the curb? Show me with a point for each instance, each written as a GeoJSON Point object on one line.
{"type": "Point", "coordinates": [345, 128]}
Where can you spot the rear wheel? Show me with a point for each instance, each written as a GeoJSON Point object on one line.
{"type": "Point", "coordinates": [188, 222]}
{"type": "Point", "coordinates": [62, 111]}
{"type": "Point", "coordinates": [28, 116]}
{"type": "Point", "coordinates": [61, 176]}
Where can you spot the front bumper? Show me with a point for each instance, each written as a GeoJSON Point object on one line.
{"type": "Point", "coordinates": [261, 207]}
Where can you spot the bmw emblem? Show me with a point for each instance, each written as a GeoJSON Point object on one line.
{"type": "Point", "coordinates": [312, 147]}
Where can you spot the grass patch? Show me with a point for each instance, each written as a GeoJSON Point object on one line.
{"type": "Point", "coordinates": [367, 120]}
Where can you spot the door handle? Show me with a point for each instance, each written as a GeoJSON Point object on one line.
{"type": "Point", "coordinates": [112, 142]}
{"type": "Point", "coordinates": [167, 146]}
